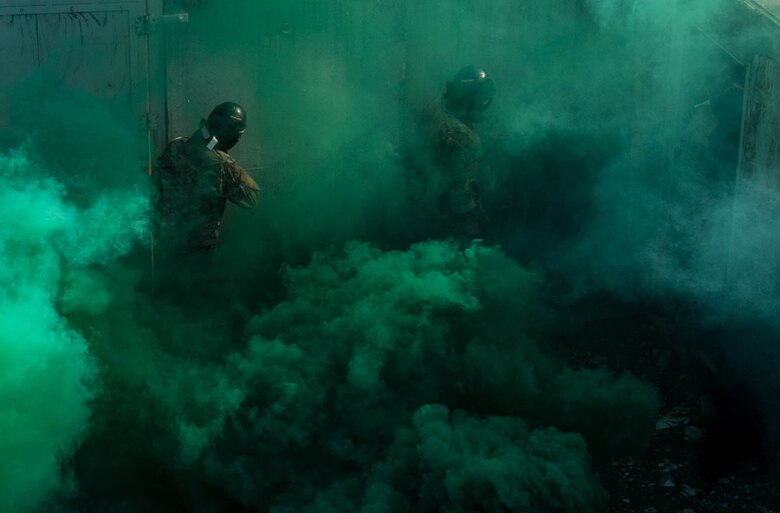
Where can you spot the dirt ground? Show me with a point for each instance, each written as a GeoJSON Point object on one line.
{"type": "Point", "coordinates": [686, 468]}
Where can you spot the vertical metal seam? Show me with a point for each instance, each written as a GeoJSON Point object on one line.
{"type": "Point", "coordinates": [37, 43]}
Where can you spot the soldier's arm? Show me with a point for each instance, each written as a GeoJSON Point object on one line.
{"type": "Point", "coordinates": [241, 188]}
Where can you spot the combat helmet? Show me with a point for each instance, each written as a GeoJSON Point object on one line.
{"type": "Point", "coordinates": [469, 93]}
{"type": "Point", "coordinates": [224, 126]}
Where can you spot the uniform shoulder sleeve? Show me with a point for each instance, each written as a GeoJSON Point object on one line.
{"type": "Point", "coordinates": [240, 188]}
{"type": "Point", "coordinates": [449, 133]}
{"type": "Point", "coordinates": [457, 136]}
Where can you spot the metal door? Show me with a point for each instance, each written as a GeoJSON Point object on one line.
{"type": "Point", "coordinates": [104, 47]}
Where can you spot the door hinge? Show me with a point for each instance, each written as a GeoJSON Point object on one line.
{"type": "Point", "coordinates": [145, 25]}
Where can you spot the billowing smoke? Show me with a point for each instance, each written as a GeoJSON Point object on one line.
{"type": "Point", "coordinates": [69, 211]}
{"type": "Point", "coordinates": [51, 255]}
{"type": "Point", "coordinates": [675, 216]}
{"type": "Point", "coordinates": [618, 169]}
{"type": "Point", "coordinates": [339, 397]}
{"type": "Point", "coordinates": [326, 357]}
{"type": "Point", "coordinates": [383, 380]}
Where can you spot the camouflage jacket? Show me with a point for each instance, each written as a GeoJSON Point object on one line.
{"type": "Point", "coordinates": [193, 185]}
{"type": "Point", "coordinates": [456, 151]}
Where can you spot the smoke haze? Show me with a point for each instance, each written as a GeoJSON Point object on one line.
{"type": "Point", "coordinates": [329, 356]}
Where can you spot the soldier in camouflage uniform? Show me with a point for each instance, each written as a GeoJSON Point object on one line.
{"type": "Point", "coordinates": [195, 178]}
{"type": "Point", "coordinates": [451, 177]}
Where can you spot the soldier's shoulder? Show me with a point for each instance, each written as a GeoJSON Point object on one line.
{"type": "Point", "coordinates": [177, 143]}
{"type": "Point", "coordinates": [227, 159]}
{"type": "Point", "coordinates": [174, 147]}
{"type": "Point", "coordinates": [204, 156]}
{"type": "Point", "coordinates": [223, 156]}
{"type": "Point", "coordinates": [172, 154]}
{"type": "Point", "coordinates": [449, 130]}
{"type": "Point", "coordinates": [456, 133]}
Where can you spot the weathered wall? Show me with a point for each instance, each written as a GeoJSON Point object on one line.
{"type": "Point", "coordinates": [293, 63]}
{"type": "Point", "coordinates": [761, 144]}
{"type": "Point", "coordinates": [92, 46]}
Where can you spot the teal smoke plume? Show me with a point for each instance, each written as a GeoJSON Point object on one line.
{"type": "Point", "coordinates": [49, 254]}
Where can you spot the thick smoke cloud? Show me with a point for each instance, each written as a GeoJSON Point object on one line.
{"type": "Point", "coordinates": [352, 371]}
{"type": "Point", "coordinates": [671, 218]}
{"type": "Point", "coordinates": [665, 217]}
{"type": "Point", "coordinates": [55, 244]}
{"type": "Point", "coordinates": [366, 376]}
{"type": "Point", "coordinates": [50, 265]}
{"type": "Point", "coordinates": [499, 462]}
{"type": "Point", "coordinates": [48, 373]}
{"type": "Point", "coordinates": [357, 362]}
{"type": "Point", "coordinates": [618, 167]}
{"type": "Point", "coordinates": [584, 167]}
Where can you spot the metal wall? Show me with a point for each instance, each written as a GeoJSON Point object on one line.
{"type": "Point", "coordinates": [292, 63]}
{"type": "Point", "coordinates": [753, 39]}
{"type": "Point", "coordinates": [94, 46]}
{"type": "Point", "coordinates": [761, 129]}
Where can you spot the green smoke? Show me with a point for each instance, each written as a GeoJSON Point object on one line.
{"type": "Point", "coordinates": [69, 210]}
{"type": "Point", "coordinates": [500, 463]}
{"type": "Point", "coordinates": [360, 377]}
{"type": "Point", "coordinates": [342, 370]}
{"type": "Point", "coordinates": [48, 248]}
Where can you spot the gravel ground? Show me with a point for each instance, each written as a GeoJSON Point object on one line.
{"type": "Point", "coordinates": [693, 464]}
